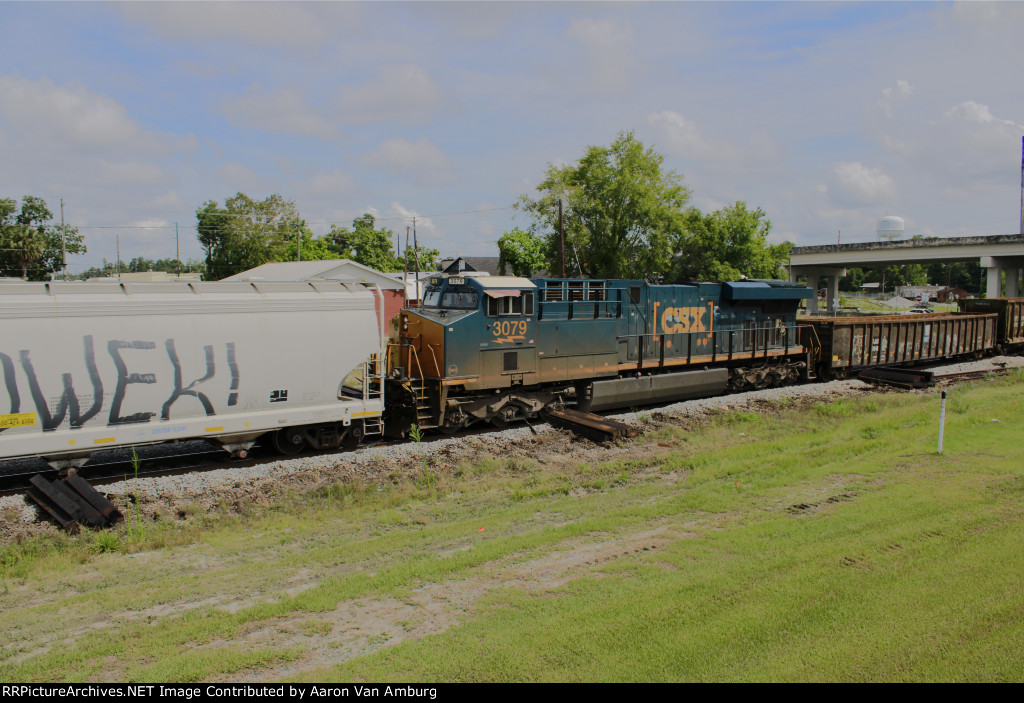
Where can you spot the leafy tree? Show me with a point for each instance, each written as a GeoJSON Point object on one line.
{"type": "Point", "coordinates": [425, 259]}
{"type": "Point", "coordinates": [246, 233]}
{"type": "Point", "coordinates": [521, 251]}
{"type": "Point", "coordinates": [373, 247]}
{"type": "Point", "coordinates": [728, 244]}
{"type": "Point", "coordinates": [960, 274]}
{"type": "Point", "coordinates": [621, 211]}
{"type": "Point", "coordinates": [366, 245]}
{"type": "Point", "coordinates": [30, 245]}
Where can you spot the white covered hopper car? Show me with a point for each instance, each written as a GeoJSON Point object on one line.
{"type": "Point", "coordinates": [89, 366]}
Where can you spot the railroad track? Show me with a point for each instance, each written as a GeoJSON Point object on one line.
{"type": "Point", "coordinates": [100, 474]}
{"type": "Point", "coordinates": [914, 378]}
{"type": "Point", "coordinates": [110, 472]}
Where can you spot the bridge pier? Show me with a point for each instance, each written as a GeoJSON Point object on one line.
{"type": "Point", "coordinates": [994, 267]}
{"type": "Point", "coordinates": [814, 275]}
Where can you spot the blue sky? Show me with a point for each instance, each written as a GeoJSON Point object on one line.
{"type": "Point", "coordinates": [827, 115]}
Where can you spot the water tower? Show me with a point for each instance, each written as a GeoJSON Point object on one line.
{"type": "Point", "coordinates": [890, 228]}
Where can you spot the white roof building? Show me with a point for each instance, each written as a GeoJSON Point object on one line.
{"type": "Point", "coordinates": [330, 269]}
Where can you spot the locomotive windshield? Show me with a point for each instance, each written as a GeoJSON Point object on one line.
{"type": "Point", "coordinates": [451, 298]}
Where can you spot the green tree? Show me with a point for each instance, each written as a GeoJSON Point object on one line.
{"type": "Point", "coordinates": [522, 252]}
{"type": "Point", "coordinates": [30, 245]}
{"type": "Point", "coordinates": [728, 244]}
{"type": "Point", "coordinates": [373, 247]}
{"type": "Point", "coordinates": [246, 233]}
{"type": "Point", "coordinates": [366, 245]}
{"type": "Point", "coordinates": [621, 211]}
{"type": "Point", "coordinates": [423, 259]}
{"type": "Point", "coordinates": [960, 274]}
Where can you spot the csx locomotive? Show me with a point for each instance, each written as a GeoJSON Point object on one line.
{"type": "Point", "coordinates": [498, 349]}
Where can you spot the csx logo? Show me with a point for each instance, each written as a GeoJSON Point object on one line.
{"type": "Point", "coordinates": [682, 320]}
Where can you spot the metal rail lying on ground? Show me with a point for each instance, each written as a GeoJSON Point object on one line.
{"type": "Point", "coordinates": [901, 378]}
{"type": "Point", "coordinates": [589, 425]}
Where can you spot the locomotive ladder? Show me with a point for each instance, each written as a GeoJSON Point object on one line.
{"type": "Point", "coordinates": [418, 385]}
{"type": "Point", "coordinates": [373, 389]}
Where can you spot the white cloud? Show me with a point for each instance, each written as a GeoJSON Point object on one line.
{"type": "Point", "coordinates": [970, 111]}
{"type": "Point", "coordinates": [423, 224]}
{"type": "Point", "coordinates": [71, 117]}
{"type": "Point", "coordinates": [903, 89]}
{"type": "Point", "coordinates": [963, 148]}
{"type": "Point", "coordinates": [335, 182]}
{"type": "Point", "coordinates": [854, 184]}
{"type": "Point", "coordinates": [236, 178]}
{"type": "Point", "coordinates": [286, 25]}
{"type": "Point", "coordinates": [279, 111]}
{"type": "Point", "coordinates": [419, 161]}
{"type": "Point", "coordinates": [167, 201]}
{"type": "Point", "coordinates": [609, 55]}
{"type": "Point", "coordinates": [153, 223]}
{"type": "Point", "coordinates": [129, 172]}
{"type": "Point", "coordinates": [680, 136]}
{"type": "Point", "coordinates": [407, 94]}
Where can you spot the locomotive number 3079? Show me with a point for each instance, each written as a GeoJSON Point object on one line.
{"type": "Point", "coordinates": [508, 328]}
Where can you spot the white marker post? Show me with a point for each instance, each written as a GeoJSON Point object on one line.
{"type": "Point", "coordinates": [942, 420]}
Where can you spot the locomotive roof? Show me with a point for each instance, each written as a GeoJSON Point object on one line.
{"type": "Point", "coordinates": [503, 282]}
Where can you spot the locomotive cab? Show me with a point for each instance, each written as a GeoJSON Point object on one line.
{"type": "Point", "coordinates": [468, 334]}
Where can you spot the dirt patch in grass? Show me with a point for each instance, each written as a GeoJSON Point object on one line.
{"type": "Point", "coordinates": [365, 625]}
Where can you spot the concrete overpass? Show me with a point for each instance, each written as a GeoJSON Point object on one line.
{"type": "Point", "coordinates": [998, 254]}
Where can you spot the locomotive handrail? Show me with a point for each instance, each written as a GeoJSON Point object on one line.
{"type": "Point", "coordinates": [605, 306]}
{"type": "Point", "coordinates": [650, 340]}
{"type": "Point", "coordinates": [817, 340]}
{"type": "Point", "coordinates": [437, 366]}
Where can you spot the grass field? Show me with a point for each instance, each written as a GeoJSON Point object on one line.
{"type": "Point", "coordinates": [813, 542]}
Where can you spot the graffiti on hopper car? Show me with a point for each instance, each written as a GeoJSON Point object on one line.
{"type": "Point", "coordinates": [127, 357]}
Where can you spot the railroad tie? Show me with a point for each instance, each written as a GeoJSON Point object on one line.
{"type": "Point", "coordinates": [71, 501]}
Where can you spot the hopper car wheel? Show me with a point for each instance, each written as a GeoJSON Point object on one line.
{"type": "Point", "coordinates": [289, 441]}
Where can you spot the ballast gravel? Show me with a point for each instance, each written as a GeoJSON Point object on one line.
{"type": "Point", "coordinates": [375, 463]}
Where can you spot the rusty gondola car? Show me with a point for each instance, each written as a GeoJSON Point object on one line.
{"type": "Point", "coordinates": [843, 345]}
{"type": "Point", "coordinates": [1010, 332]}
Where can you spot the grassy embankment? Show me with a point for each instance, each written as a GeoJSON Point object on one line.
{"type": "Point", "coordinates": [813, 543]}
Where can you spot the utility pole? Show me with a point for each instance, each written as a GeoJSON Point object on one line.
{"type": "Point", "coordinates": [298, 242]}
{"type": "Point", "coordinates": [561, 232]}
{"type": "Point", "coordinates": [405, 271]}
{"type": "Point", "coordinates": [404, 275]}
{"type": "Point", "coordinates": [64, 244]}
{"type": "Point", "coordinates": [416, 257]}
{"type": "Point", "coordinates": [177, 249]}
{"type": "Point", "coordinates": [117, 266]}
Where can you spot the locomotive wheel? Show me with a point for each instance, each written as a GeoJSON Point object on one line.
{"type": "Point", "coordinates": [289, 441]}
{"type": "Point", "coordinates": [454, 421]}
{"type": "Point", "coordinates": [504, 416]}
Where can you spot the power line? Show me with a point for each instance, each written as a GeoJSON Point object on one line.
{"type": "Point", "coordinates": [231, 213]}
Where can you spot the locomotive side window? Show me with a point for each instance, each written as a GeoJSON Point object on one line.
{"type": "Point", "coordinates": [508, 305]}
